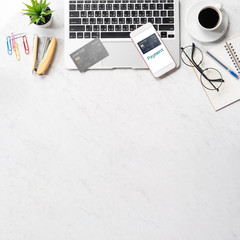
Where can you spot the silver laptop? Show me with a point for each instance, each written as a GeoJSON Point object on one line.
{"type": "Point", "coordinates": [112, 21]}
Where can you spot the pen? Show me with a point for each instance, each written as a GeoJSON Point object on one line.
{"type": "Point", "coordinates": [219, 62]}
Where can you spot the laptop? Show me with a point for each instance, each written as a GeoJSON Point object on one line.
{"type": "Point", "coordinates": [112, 21]}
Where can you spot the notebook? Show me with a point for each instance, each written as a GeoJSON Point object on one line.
{"type": "Point", "coordinates": [228, 53]}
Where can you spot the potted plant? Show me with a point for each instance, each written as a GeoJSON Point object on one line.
{"type": "Point", "coordinates": [39, 13]}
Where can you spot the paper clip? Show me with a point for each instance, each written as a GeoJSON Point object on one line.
{"type": "Point", "coordinates": [19, 35]}
{"type": "Point", "coordinates": [15, 47]}
{"type": "Point", "coordinates": [13, 40]}
{"type": "Point", "coordinates": [9, 45]}
{"type": "Point", "coordinates": [16, 50]}
{"type": "Point", "coordinates": [25, 44]}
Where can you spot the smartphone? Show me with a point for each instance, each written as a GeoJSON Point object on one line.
{"type": "Point", "coordinates": [152, 50]}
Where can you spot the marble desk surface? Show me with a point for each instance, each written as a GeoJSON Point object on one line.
{"type": "Point", "coordinates": [113, 155]}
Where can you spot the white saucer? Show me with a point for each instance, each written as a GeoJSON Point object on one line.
{"type": "Point", "coordinates": [201, 35]}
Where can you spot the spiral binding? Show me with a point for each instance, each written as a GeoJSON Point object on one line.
{"type": "Point", "coordinates": [233, 56]}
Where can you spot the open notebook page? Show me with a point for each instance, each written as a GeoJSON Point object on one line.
{"type": "Point", "coordinates": [229, 92]}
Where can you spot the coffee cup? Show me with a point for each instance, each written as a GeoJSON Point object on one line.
{"type": "Point", "coordinates": [210, 17]}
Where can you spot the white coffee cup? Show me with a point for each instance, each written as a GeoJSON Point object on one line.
{"type": "Point", "coordinates": [210, 17]}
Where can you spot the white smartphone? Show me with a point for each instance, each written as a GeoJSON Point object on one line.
{"type": "Point", "coordinates": [152, 50]}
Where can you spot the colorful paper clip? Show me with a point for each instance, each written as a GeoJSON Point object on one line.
{"type": "Point", "coordinates": [15, 47]}
{"type": "Point", "coordinates": [9, 45]}
{"type": "Point", "coordinates": [16, 50]}
{"type": "Point", "coordinates": [25, 44]}
{"type": "Point", "coordinates": [19, 35]}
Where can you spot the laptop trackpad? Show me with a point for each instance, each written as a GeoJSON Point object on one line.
{"type": "Point", "coordinates": [122, 55]}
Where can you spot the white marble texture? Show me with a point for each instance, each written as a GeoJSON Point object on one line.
{"type": "Point", "coordinates": [113, 155]}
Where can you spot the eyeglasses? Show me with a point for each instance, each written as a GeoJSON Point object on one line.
{"type": "Point", "coordinates": [210, 78]}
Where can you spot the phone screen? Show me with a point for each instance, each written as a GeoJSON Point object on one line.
{"type": "Point", "coordinates": [153, 51]}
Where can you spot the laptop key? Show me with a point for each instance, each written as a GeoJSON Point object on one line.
{"type": "Point", "coordinates": [168, 20]}
{"type": "Point", "coordinates": [132, 27]}
{"type": "Point", "coordinates": [75, 20]}
{"type": "Point", "coordinates": [123, 6]}
{"type": "Point", "coordinates": [99, 20]}
{"type": "Point", "coordinates": [77, 28]}
{"type": "Point", "coordinates": [89, 28]}
{"type": "Point", "coordinates": [152, 6]}
{"type": "Point", "coordinates": [91, 14]}
{"type": "Point", "coordinates": [74, 13]}
{"type": "Point", "coordinates": [151, 20]}
{"type": "Point", "coordinates": [130, 6]}
{"type": "Point", "coordinates": [134, 13]}
{"type": "Point", "coordinates": [119, 13]}
{"type": "Point", "coordinates": [86, 6]}
{"type": "Point", "coordinates": [163, 34]}
{"type": "Point", "coordinates": [115, 34]}
{"type": "Point", "coordinates": [156, 13]}
{"type": "Point", "coordinates": [121, 20]}
{"type": "Point", "coordinates": [83, 13]}
{"type": "Point", "coordinates": [158, 20]}
{"type": "Point", "coordinates": [112, 13]}
{"type": "Point", "coordinates": [92, 20]}
{"type": "Point", "coordinates": [136, 20]}
{"type": "Point", "coordinates": [101, 7]}
{"type": "Point", "coordinates": [125, 28]}
{"type": "Point", "coordinates": [94, 6]}
{"type": "Point", "coordinates": [145, 6]}
{"type": "Point", "coordinates": [109, 7]}
{"type": "Point", "coordinates": [163, 13]}
{"type": "Point", "coordinates": [170, 13]}
{"type": "Point", "coordinates": [128, 20]}
{"type": "Point", "coordinates": [95, 35]}
{"type": "Point", "coordinates": [72, 35]}
{"type": "Point", "coordinates": [143, 20]}
{"type": "Point", "coordinates": [114, 20]}
{"type": "Point", "coordinates": [168, 6]}
{"type": "Point", "coordinates": [103, 28]}
{"type": "Point", "coordinates": [107, 21]}
{"type": "Point", "coordinates": [98, 14]}
{"type": "Point", "coordinates": [79, 35]}
{"type": "Point", "coordinates": [72, 7]}
{"type": "Point", "coordinates": [118, 28]}
{"type": "Point", "coordinates": [137, 6]}
{"type": "Point", "coordinates": [126, 13]}
{"type": "Point", "coordinates": [105, 13]}
{"type": "Point", "coordinates": [87, 35]}
{"type": "Point", "coordinates": [148, 13]}
{"type": "Point", "coordinates": [110, 28]}
{"type": "Point", "coordinates": [85, 20]}
{"type": "Point", "coordinates": [115, 6]}
{"type": "Point", "coordinates": [159, 6]}
{"type": "Point", "coordinates": [166, 27]}
{"type": "Point", "coordinates": [96, 28]}
{"type": "Point", "coordinates": [79, 7]}
{"type": "Point", "coordinates": [141, 13]}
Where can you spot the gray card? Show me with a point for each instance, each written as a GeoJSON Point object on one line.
{"type": "Point", "coordinates": [89, 54]}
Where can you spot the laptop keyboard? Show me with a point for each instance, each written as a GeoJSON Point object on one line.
{"type": "Point", "coordinates": [117, 18]}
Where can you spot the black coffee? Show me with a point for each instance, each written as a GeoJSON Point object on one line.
{"type": "Point", "coordinates": [208, 18]}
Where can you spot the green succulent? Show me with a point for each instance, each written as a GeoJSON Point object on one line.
{"type": "Point", "coordinates": [38, 11]}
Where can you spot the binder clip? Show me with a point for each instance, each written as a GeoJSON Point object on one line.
{"type": "Point", "coordinates": [44, 49]}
